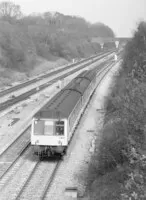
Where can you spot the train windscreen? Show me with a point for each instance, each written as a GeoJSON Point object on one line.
{"type": "Point", "coordinates": [59, 128]}
{"type": "Point", "coordinates": [43, 127]}
{"type": "Point", "coordinates": [38, 127]}
{"type": "Point", "coordinates": [50, 128]}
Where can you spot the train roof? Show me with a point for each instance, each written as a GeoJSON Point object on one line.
{"type": "Point", "coordinates": [62, 104]}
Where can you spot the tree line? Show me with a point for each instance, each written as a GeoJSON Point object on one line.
{"type": "Point", "coordinates": [48, 35]}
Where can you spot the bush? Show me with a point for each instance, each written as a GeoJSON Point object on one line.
{"type": "Point", "coordinates": [113, 144]}
{"type": "Point", "coordinates": [123, 137]}
{"type": "Point", "coordinates": [108, 187]}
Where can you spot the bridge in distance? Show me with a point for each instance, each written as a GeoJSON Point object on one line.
{"type": "Point", "coordinates": [104, 40]}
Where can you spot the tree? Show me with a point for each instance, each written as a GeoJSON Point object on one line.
{"type": "Point", "coordinates": [9, 11]}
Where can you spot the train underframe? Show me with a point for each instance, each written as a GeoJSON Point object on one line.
{"type": "Point", "coordinates": [49, 151]}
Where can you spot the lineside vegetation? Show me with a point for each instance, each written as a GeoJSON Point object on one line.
{"type": "Point", "coordinates": [24, 39]}
{"type": "Point", "coordinates": [118, 168]}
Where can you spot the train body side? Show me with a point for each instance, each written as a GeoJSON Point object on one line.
{"type": "Point", "coordinates": [66, 108]}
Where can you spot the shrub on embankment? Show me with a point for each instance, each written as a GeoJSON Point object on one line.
{"type": "Point", "coordinates": [118, 168]}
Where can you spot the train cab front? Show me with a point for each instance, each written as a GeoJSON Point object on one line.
{"type": "Point", "coordinates": [49, 136]}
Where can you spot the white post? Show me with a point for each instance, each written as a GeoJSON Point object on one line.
{"type": "Point", "coordinates": [117, 44]}
{"type": "Point", "coordinates": [101, 44]}
{"type": "Point", "coordinates": [59, 85]}
{"type": "Point", "coordinates": [115, 57]}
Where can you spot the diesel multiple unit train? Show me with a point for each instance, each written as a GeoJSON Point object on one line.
{"type": "Point", "coordinates": [53, 125]}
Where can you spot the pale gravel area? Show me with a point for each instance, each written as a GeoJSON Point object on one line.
{"type": "Point", "coordinates": [9, 133]}
{"type": "Point", "coordinates": [73, 171]}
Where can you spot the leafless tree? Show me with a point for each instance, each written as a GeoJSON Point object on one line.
{"type": "Point", "coordinates": [9, 11]}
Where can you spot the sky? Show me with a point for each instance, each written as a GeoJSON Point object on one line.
{"type": "Point", "coordinates": [120, 15]}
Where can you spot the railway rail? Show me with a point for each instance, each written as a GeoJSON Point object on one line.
{"type": "Point", "coordinates": [10, 156]}
{"type": "Point", "coordinates": [26, 95]}
{"type": "Point", "coordinates": [37, 178]}
{"type": "Point", "coordinates": [9, 171]}
{"type": "Point", "coordinates": [25, 189]}
{"type": "Point", "coordinates": [21, 85]}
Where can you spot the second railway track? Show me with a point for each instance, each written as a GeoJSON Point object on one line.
{"type": "Point", "coordinates": [21, 85]}
{"type": "Point", "coordinates": [27, 94]}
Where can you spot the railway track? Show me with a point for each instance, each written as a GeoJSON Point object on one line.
{"type": "Point", "coordinates": [13, 167]}
{"type": "Point", "coordinates": [7, 155]}
{"type": "Point", "coordinates": [30, 186]}
{"type": "Point", "coordinates": [28, 171]}
{"type": "Point", "coordinates": [10, 156]}
{"type": "Point", "coordinates": [42, 181]}
{"type": "Point", "coordinates": [13, 160]}
{"type": "Point", "coordinates": [15, 150]}
{"type": "Point", "coordinates": [31, 92]}
{"type": "Point", "coordinates": [22, 85]}
{"type": "Point", "coordinates": [59, 171]}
